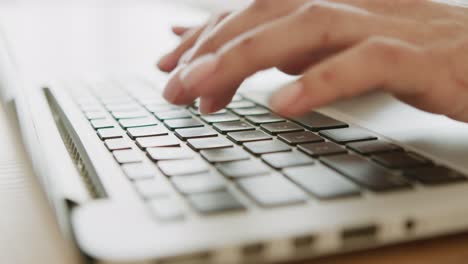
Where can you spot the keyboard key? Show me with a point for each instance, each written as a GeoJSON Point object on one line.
{"type": "Point", "coordinates": [321, 149]}
{"type": "Point", "coordinates": [235, 126]}
{"type": "Point", "coordinates": [197, 132]}
{"type": "Point", "coordinates": [372, 147]}
{"type": "Point", "coordinates": [195, 111]}
{"type": "Point", "coordinates": [153, 188]}
{"type": "Point", "coordinates": [198, 183]}
{"type": "Point", "coordinates": [108, 133]}
{"type": "Point", "coordinates": [127, 156]}
{"type": "Point", "coordinates": [115, 107]}
{"type": "Point", "coordinates": [129, 114]}
{"type": "Point", "coordinates": [166, 209]}
{"type": "Point", "coordinates": [263, 119]}
{"type": "Point", "coordinates": [169, 153]}
{"type": "Point", "coordinates": [274, 190]}
{"type": "Point", "coordinates": [400, 160]}
{"type": "Point", "coordinates": [158, 108]}
{"type": "Point", "coordinates": [434, 175]}
{"type": "Point", "coordinates": [91, 115]}
{"type": "Point", "coordinates": [139, 171]}
{"type": "Point", "coordinates": [182, 123]}
{"type": "Point", "coordinates": [219, 118]}
{"type": "Point", "coordinates": [101, 123]}
{"type": "Point", "coordinates": [240, 104]}
{"type": "Point", "coordinates": [250, 111]}
{"type": "Point", "coordinates": [283, 127]}
{"type": "Point", "coordinates": [244, 168]}
{"type": "Point", "coordinates": [215, 202]}
{"type": "Point", "coordinates": [182, 167]}
{"type": "Point", "coordinates": [173, 114]}
{"type": "Point", "coordinates": [236, 98]}
{"type": "Point", "coordinates": [247, 136]}
{"type": "Point", "coordinates": [209, 143]}
{"type": "Point", "coordinates": [263, 147]}
{"type": "Point", "coordinates": [316, 121]}
{"type": "Point", "coordinates": [148, 131]}
{"type": "Point", "coordinates": [347, 135]}
{"type": "Point", "coordinates": [225, 154]}
{"type": "Point", "coordinates": [287, 159]}
{"type": "Point", "coordinates": [117, 143]}
{"type": "Point", "coordinates": [295, 138]}
{"type": "Point", "coordinates": [322, 182]}
{"type": "Point", "coordinates": [111, 102]}
{"type": "Point", "coordinates": [159, 141]}
{"type": "Point", "coordinates": [91, 107]}
{"type": "Point", "coordinates": [366, 173]}
{"type": "Point", "coordinates": [138, 122]}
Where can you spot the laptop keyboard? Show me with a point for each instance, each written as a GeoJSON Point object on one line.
{"type": "Point", "coordinates": [270, 160]}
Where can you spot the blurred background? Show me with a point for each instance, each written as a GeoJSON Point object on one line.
{"type": "Point", "coordinates": [59, 38]}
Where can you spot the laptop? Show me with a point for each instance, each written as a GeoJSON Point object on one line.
{"type": "Point", "coordinates": [133, 179]}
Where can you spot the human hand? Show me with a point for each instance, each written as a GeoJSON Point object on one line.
{"type": "Point", "coordinates": [414, 49]}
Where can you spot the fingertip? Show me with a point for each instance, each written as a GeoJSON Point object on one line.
{"type": "Point", "coordinates": [167, 63]}
{"type": "Point", "coordinates": [206, 106]}
{"type": "Point", "coordinates": [286, 101]}
{"type": "Point", "coordinates": [179, 30]}
{"type": "Point", "coordinates": [175, 93]}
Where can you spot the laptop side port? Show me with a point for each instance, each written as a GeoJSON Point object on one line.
{"type": "Point", "coordinates": [409, 225]}
{"type": "Point", "coordinates": [253, 250]}
{"type": "Point", "coordinates": [196, 258]}
{"type": "Point", "coordinates": [303, 242]}
{"type": "Point", "coordinates": [359, 236]}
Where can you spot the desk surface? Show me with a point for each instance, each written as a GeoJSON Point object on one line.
{"type": "Point", "coordinates": [446, 250]}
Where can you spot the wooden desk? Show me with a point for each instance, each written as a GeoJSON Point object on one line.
{"type": "Point", "coordinates": [444, 250]}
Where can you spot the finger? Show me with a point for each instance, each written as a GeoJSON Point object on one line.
{"type": "Point", "coordinates": [211, 104]}
{"type": "Point", "coordinates": [179, 30]}
{"type": "Point", "coordinates": [376, 63]}
{"type": "Point", "coordinates": [169, 61]}
{"type": "Point", "coordinates": [298, 65]}
{"type": "Point", "coordinates": [261, 11]}
{"type": "Point", "coordinates": [215, 74]}
{"type": "Point", "coordinates": [174, 92]}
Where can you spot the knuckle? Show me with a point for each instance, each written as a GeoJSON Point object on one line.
{"type": "Point", "coordinates": [239, 51]}
{"type": "Point", "coordinates": [387, 50]}
{"type": "Point", "coordinates": [320, 15]}
{"type": "Point", "coordinates": [315, 9]}
{"type": "Point", "coordinates": [260, 5]}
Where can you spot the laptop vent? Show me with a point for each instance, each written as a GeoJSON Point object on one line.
{"type": "Point", "coordinates": [91, 183]}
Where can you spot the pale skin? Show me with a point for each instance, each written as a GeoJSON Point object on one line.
{"type": "Point", "coordinates": [416, 50]}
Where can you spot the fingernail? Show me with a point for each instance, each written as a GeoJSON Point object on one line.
{"type": "Point", "coordinates": [166, 61]}
{"type": "Point", "coordinates": [173, 90]}
{"type": "Point", "coordinates": [286, 97]}
{"type": "Point", "coordinates": [206, 106]}
{"type": "Point", "coordinates": [198, 71]}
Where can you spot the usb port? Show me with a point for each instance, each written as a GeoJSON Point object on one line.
{"type": "Point", "coordinates": [359, 235]}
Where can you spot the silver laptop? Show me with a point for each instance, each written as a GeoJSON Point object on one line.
{"type": "Point", "coordinates": [134, 179]}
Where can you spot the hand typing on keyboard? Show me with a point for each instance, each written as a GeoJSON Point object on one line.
{"type": "Point", "coordinates": [417, 50]}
